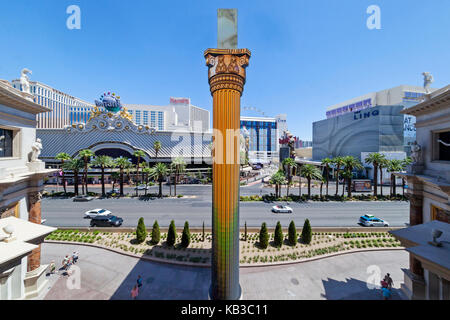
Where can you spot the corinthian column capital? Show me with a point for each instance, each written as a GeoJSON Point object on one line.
{"type": "Point", "coordinates": [226, 68]}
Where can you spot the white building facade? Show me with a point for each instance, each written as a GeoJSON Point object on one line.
{"type": "Point", "coordinates": [21, 180]}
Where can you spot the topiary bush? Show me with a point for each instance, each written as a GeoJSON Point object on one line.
{"type": "Point", "coordinates": [278, 236]}
{"type": "Point", "coordinates": [306, 232]}
{"type": "Point", "coordinates": [141, 231]}
{"type": "Point", "coordinates": [263, 236]}
{"type": "Point", "coordinates": [156, 233]}
{"type": "Point", "coordinates": [292, 234]}
{"type": "Point", "coordinates": [186, 236]}
{"type": "Point", "coordinates": [171, 234]}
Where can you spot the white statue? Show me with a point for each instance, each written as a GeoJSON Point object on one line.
{"type": "Point", "coordinates": [36, 148]}
{"type": "Point", "coordinates": [416, 152]}
{"type": "Point", "coordinates": [427, 81]}
{"type": "Point", "coordinates": [24, 81]}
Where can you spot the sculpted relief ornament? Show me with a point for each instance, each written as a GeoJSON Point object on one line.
{"type": "Point", "coordinates": [36, 148]}
{"type": "Point", "coordinates": [416, 153]}
{"type": "Point", "coordinates": [226, 68]}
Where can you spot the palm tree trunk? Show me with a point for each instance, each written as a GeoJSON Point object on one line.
{"type": "Point", "coordinates": [309, 188]}
{"type": "Point", "coordinates": [64, 181]}
{"type": "Point", "coordinates": [121, 182]}
{"type": "Point", "coordinates": [299, 186]}
{"type": "Point", "coordinates": [326, 172]}
{"type": "Point", "coordinates": [160, 189]}
{"type": "Point", "coordinates": [403, 186]}
{"type": "Point", "coordinates": [86, 176]}
{"type": "Point", "coordinates": [375, 180]}
{"type": "Point", "coordinates": [337, 181]}
{"type": "Point", "coordinates": [75, 182]}
{"type": "Point", "coordinates": [343, 186]}
{"type": "Point", "coordinates": [103, 182]}
{"type": "Point", "coordinates": [175, 186]}
{"type": "Point", "coordinates": [349, 186]}
{"type": "Point", "coordinates": [381, 181]}
{"type": "Point", "coordinates": [146, 183]}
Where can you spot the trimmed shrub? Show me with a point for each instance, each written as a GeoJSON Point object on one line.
{"type": "Point", "coordinates": [292, 235]}
{"type": "Point", "coordinates": [156, 233]}
{"type": "Point", "coordinates": [186, 236]}
{"type": "Point", "coordinates": [306, 232]}
{"type": "Point", "coordinates": [278, 235]}
{"type": "Point", "coordinates": [263, 236]}
{"type": "Point", "coordinates": [245, 231]}
{"type": "Point", "coordinates": [171, 234]}
{"type": "Point", "coordinates": [141, 232]}
{"type": "Point", "coordinates": [203, 232]}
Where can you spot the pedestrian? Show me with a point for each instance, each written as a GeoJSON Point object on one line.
{"type": "Point", "coordinates": [52, 267]}
{"type": "Point", "coordinates": [135, 292]}
{"type": "Point", "coordinates": [139, 281]}
{"type": "Point", "coordinates": [388, 280]}
{"type": "Point", "coordinates": [386, 293]}
{"type": "Point", "coordinates": [65, 262]}
{"type": "Point", "coordinates": [75, 257]}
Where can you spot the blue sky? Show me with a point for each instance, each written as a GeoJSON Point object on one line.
{"type": "Point", "coordinates": [306, 55]}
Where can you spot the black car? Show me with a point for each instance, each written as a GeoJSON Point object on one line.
{"type": "Point", "coordinates": [106, 221]}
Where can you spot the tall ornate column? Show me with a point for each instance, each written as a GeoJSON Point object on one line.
{"type": "Point", "coordinates": [226, 76]}
{"type": "Point", "coordinates": [34, 215]}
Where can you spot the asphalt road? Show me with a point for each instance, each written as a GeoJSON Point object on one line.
{"type": "Point", "coordinates": [66, 213]}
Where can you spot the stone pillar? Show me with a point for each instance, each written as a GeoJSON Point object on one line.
{"type": "Point", "coordinates": [415, 209]}
{"type": "Point", "coordinates": [34, 215]}
{"type": "Point", "coordinates": [226, 74]}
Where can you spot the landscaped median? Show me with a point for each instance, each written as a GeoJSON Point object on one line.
{"type": "Point", "coordinates": [195, 248]}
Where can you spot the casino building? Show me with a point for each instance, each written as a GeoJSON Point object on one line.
{"type": "Point", "coordinates": [368, 123]}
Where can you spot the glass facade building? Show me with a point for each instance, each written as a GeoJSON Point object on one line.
{"type": "Point", "coordinates": [263, 133]}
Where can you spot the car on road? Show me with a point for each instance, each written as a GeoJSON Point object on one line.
{"type": "Point", "coordinates": [115, 190]}
{"type": "Point", "coordinates": [106, 221]}
{"type": "Point", "coordinates": [96, 212]}
{"type": "Point", "coordinates": [281, 209]}
{"type": "Point", "coordinates": [369, 220]}
{"type": "Point", "coordinates": [142, 187]}
{"type": "Point", "coordinates": [83, 198]}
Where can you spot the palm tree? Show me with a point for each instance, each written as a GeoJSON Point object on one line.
{"type": "Point", "coordinates": [321, 186]}
{"type": "Point", "coordinates": [86, 154]}
{"type": "Point", "coordinates": [288, 165]}
{"type": "Point", "coordinates": [179, 166]}
{"type": "Point", "coordinates": [374, 159]}
{"type": "Point", "coordinates": [138, 154]}
{"type": "Point", "coordinates": [74, 165]}
{"type": "Point", "coordinates": [350, 163]}
{"type": "Point", "coordinates": [159, 172]}
{"type": "Point", "coordinates": [394, 166]}
{"type": "Point", "coordinates": [326, 163]}
{"type": "Point", "coordinates": [122, 163]}
{"type": "Point", "coordinates": [157, 146]}
{"type": "Point", "coordinates": [278, 179]}
{"type": "Point", "coordinates": [310, 172]}
{"type": "Point", "coordinates": [406, 162]}
{"type": "Point", "coordinates": [63, 157]}
{"type": "Point", "coordinates": [103, 162]}
{"type": "Point", "coordinates": [338, 163]}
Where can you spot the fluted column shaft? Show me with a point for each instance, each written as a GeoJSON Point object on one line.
{"type": "Point", "coordinates": [226, 78]}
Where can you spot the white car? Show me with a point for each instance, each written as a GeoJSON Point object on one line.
{"type": "Point", "coordinates": [282, 209]}
{"type": "Point", "coordinates": [142, 187]}
{"type": "Point", "coordinates": [96, 213]}
{"type": "Point", "coordinates": [370, 220]}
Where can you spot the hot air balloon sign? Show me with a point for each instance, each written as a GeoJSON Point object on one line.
{"type": "Point", "coordinates": [109, 101]}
